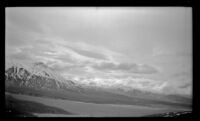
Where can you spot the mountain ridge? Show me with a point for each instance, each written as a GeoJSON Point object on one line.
{"type": "Point", "coordinates": [23, 75]}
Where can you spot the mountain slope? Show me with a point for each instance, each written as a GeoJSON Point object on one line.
{"type": "Point", "coordinates": [36, 75]}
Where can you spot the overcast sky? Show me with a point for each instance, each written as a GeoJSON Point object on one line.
{"type": "Point", "coordinates": [143, 43]}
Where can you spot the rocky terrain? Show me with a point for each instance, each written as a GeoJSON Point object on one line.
{"type": "Point", "coordinates": [173, 114]}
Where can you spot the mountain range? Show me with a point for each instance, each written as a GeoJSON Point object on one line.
{"type": "Point", "coordinates": [40, 80]}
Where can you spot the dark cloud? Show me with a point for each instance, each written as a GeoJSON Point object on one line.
{"type": "Point", "coordinates": [146, 69]}
{"type": "Point", "coordinates": [66, 58]}
{"type": "Point", "coordinates": [105, 66]}
{"type": "Point", "coordinates": [68, 68]}
{"type": "Point", "coordinates": [181, 74]}
{"type": "Point", "coordinates": [127, 67]}
{"type": "Point", "coordinates": [90, 54]}
{"type": "Point", "coordinates": [185, 85]}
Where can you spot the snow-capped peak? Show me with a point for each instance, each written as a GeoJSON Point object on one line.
{"type": "Point", "coordinates": [37, 68]}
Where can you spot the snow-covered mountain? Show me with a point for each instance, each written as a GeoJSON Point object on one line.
{"type": "Point", "coordinates": [35, 75]}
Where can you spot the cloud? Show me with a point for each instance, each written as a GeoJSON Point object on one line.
{"type": "Point", "coordinates": [79, 52]}
{"type": "Point", "coordinates": [80, 56]}
{"type": "Point", "coordinates": [126, 83]}
{"type": "Point", "coordinates": [184, 89]}
{"type": "Point", "coordinates": [126, 67]}
{"type": "Point", "coordinates": [91, 51]}
{"type": "Point", "coordinates": [185, 85]}
{"type": "Point", "coordinates": [179, 83]}
{"type": "Point", "coordinates": [91, 54]}
{"type": "Point", "coordinates": [146, 69]}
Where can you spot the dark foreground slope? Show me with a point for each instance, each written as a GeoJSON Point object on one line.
{"type": "Point", "coordinates": [93, 109]}
{"type": "Point", "coordinates": [19, 108]}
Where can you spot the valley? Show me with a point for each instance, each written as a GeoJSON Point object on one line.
{"type": "Point", "coordinates": [92, 109]}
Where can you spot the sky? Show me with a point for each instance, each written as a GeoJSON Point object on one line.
{"type": "Point", "coordinates": [149, 48]}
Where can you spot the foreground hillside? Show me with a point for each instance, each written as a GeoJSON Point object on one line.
{"type": "Point", "coordinates": [21, 108]}
{"type": "Point", "coordinates": [73, 108]}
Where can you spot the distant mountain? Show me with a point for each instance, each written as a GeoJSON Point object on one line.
{"type": "Point", "coordinates": [110, 85]}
